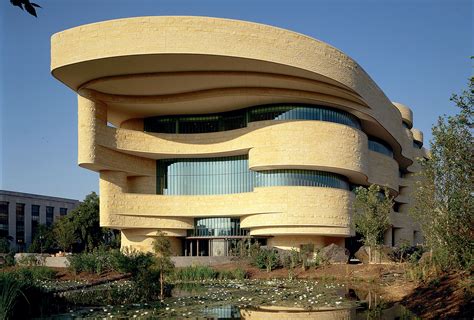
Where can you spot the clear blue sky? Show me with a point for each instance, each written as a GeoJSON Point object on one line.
{"type": "Point", "coordinates": [416, 50]}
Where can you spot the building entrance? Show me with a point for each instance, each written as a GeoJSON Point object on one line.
{"type": "Point", "coordinates": [214, 247]}
{"type": "Point", "coordinates": [214, 237]}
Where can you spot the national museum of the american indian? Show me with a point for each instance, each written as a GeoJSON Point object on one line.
{"type": "Point", "coordinates": [214, 131]}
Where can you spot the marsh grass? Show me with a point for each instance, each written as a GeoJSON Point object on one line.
{"type": "Point", "coordinates": [10, 294]}
{"type": "Point", "coordinates": [199, 273]}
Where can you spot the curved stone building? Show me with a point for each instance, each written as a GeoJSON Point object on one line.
{"type": "Point", "coordinates": [213, 130]}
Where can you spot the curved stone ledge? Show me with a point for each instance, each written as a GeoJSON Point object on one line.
{"type": "Point", "coordinates": [417, 135]}
{"type": "Point", "coordinates": [305, 206]}
{"type": "Point", "coordinates": [174, 44]}
{"type": "Point", "coordinates": [270, 145]}
{"type": "Point", "coordinates": [383, 170]}
{"type": "Point", "coordinates": [292, 231]}
{"type": "Point", "coordinates": [407, 114]}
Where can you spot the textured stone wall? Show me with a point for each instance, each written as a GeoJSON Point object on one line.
{"type": "Point", "coordinates": [112, 65]}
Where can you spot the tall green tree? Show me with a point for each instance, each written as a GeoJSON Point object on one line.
{"type": "Point", "coordinates": [162, 247]}
{"type": "Point", "coordinates": [85, 220]}
{"type": "Point", "coordinates": [372, 214]}
{"type": "Point", "coordinates": [43, 240]}
{"type": "Point", "coordinates": [443, 204]}
{"type": "Point", "coordinates": [64, 233]}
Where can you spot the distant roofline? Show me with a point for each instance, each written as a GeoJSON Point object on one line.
{"type": "Point", "coordinates": [36, 196]}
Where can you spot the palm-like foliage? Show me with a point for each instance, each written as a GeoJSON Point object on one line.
{"type": "Point", "coordinates": [26, 5]}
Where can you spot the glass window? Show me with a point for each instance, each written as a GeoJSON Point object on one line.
{"type": "Point", "coordinates": [217, 227]}
{"type": "Point", "coordinates": [35, 216]}
{"type": "Point", "coordinates": [3, 219]}
{"type": "Point", "coordinates": [62, 211]}
{"type": "Point", "coordinates": [240, 118]}
{"type": "Point", "coordinates": [297, 177]}
{"type": "Point", "coordinates": [227, 175]}
{"type": "Point", "coordinates": [380, 146]}
{"type": "Point", "coordinates": [49, 216]}
{"type": "Point", "coordinates": [20, 223]}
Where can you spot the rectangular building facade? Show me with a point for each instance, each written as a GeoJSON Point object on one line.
{"type": "Point", "coordinates": [22, 213]}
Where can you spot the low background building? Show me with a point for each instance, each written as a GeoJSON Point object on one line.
{"type": "Point", "coordinates": [22, 213]}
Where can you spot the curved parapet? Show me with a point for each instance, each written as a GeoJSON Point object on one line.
{"type": "Point", "coordinates": [407, 114]}
{"type": "Point", "coordinates": [417, 136]}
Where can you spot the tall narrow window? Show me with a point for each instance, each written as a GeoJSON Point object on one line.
{"type": "Point", "coordinates": [49, 216]}
{"type": "Point", "coordinates": [20, 223]}
{"type": "Point", "coordinates": [35, 216]}
{"type": "Point", "coordinates": [3, 219]}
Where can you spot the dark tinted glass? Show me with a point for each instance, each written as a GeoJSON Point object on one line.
{"type": "Point", "coordinates": [380, 146]}
{"type": "Point", "coordinates": [20, 223]}
{"type": "Point", "coordinates": [3, 219]}
{"type": "Point", "coordinates": [49, 215]}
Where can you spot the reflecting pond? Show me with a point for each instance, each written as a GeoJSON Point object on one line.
{"type": "Point", "coordinates": [255, 299]}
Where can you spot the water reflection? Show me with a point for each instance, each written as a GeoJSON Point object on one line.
{"type": "Point", "coordinates": [275, 299]}
{"type": "Point", "coordinates": [395, 312]}
{"type": "Point", "coordinates": [275, 312]}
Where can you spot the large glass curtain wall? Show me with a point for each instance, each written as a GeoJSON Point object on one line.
{"type": "Point", "coordinates": [227, 175]}
{"type": "Point", "coordinates": [240, 118]}
{"type": "Point", "coordinates": [204, 176]}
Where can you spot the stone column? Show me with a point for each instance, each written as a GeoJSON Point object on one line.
{"type": "Point", "coordinates": [112, 185]}
{"type": "Point", "coordinates": [91, 114]}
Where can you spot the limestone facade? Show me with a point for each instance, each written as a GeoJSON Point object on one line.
{"type": "Point", "coordinates": [128, 70]}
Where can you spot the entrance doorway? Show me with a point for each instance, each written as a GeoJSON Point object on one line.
{"type": "Point", "coordinates": [213, 247]}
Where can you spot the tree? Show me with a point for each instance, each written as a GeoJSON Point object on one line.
{"type": "Point", "coordinates": [443, 204]}
{"type": "Point", "coordinates": [162, 247]}
{"type": "Point", "coordinates": [43, 240]}
{"type": "Point", "coordinates": [372, 214]}
{"type": "Point", "coordinates": [85, 220]}
{"type": "Point", "coordinates": [64, 233]}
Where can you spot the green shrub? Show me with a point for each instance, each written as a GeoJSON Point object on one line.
{"type": "Point", "coordinates": [194, 273]}
{"type": "Point", "coordinates": [147, 284]}
{"type": "Point", "coordinates": [131, 261]}
{"type": "Point", "coordinates": [266, 259]}
{"type": "Point", "coordinates": [43, 273]}
{"type": "Point", "coordinates": [240, 274]}
{"type": "Point", "coordinates": [9, 259]}
{"type": "Point", "coordinates": [245, 249]}
{"type": "Point", "coordinates": [235, 274]}
{"type": "Point", "coordinates": [32, 274]}
{"type": "Point", "coordinates": [4, 245]}
{"type": "Point", "coordinates": [97, 261]}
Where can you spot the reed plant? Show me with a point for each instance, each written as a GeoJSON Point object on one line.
{"type": "Point", "coordinates": [10, 294]}
{"type": "Point", "coordinates": [194, 273]}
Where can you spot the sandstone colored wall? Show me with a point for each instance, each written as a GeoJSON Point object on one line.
{"type": "Point", "coordinates": [128, 69]}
